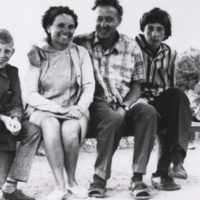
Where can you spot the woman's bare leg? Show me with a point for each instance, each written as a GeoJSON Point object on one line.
{"type": "Point", "coordinates": [70, 130]}
{"type": "Point", "coordinates": [53, 146]}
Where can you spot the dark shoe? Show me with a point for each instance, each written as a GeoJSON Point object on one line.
{"type": "Point", "coordinates": [97, 188]}
{"type": "Point", "coordinates": [16, 195]}
{"type": "Point", "coordinates": [164, 183]}
{"type": "Point", "coordinates": [177, 171]}
{"type": "Point", "coordinates": [139, 190]}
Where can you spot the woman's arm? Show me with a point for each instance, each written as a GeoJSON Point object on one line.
{"type": "Point", "coordinates": [88, 82]}
{"type": "Point", "coordinates": [32, 96]}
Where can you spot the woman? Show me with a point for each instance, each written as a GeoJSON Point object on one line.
{"type": "Point", "coordinates": [58, 94]}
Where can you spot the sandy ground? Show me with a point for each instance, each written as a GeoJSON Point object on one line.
{"type": "Point", "coordinates": [41, 180]}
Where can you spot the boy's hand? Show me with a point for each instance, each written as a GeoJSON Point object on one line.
{"type": "Point", "coordinates": [12, 125]}
{"type": "Point", "coordinates": [36, 55]}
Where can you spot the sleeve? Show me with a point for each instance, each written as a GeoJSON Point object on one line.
{"type": "Point", "coordinates": [173, 70]}
{"type": "Point", "coordinates": [138, 75]}
{"type": "Point", "coordinates": [32, 95]}
{"type": "Point", "coordinates": [88, 82]}
{"type": "Point", "coordinates": [14, 107]}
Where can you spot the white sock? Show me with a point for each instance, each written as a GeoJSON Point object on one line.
{"type": "Point", "coordinates": [9, 186]}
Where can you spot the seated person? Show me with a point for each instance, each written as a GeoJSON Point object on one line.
{"type": "Point", "coordinates": [12, 121]}
{"type": "Point", "coordinates": [119, 70]}
{"type": "Point", "coordinates": [171, 103]}
{"type": "Point", "coordinates": [59, 94]}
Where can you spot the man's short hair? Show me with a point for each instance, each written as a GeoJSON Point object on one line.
{"type": "Point", "coordinates": [113, 3]}
{"type": "Point", "coordinates": [6, 37]}
{"type": "Point", "coordinates": [157, 15]}
{"type": "Point", "coordinates": [53, 12]}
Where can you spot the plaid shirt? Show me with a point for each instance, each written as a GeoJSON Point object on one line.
{"type": "Point", "coordinates": [115, 68]}
{"type": "Point", "coordinates": [160, 70]}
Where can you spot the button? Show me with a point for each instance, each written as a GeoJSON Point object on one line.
{"type": "Point", "coordinates": [68, 77]}
{"type": "Point", "coordinates": [56, 91]}
{"type": "Point", "coordinates": [55, 77]}
{"type": "Point", "coordinates": [55, 65]}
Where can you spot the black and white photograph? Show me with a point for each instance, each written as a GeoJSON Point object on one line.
{"type": "Point", "coordinates": [99, 99]}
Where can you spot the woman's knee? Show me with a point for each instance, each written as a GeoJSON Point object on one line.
{"type": "Point", "coordinates": [50, 126]}
{"type": "Point", "coordinates": [70, 130]}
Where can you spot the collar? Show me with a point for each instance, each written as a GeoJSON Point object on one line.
{"type": "Point", "coordinates": [116, 46]}
{"type": "Point", "coordinates": [141, 41]}
{"type": "Point", "coordinates": [3, 72]}
{"type": "Point", "coordinates": [48, 48]}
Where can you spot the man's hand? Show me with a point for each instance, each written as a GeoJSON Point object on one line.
{"type": "Point", "coordinates": [13, 125]}
{"type": "Point", "coordinates": [36, 55]}
{"type": "Point", "coordinates": [74, 112]}
{"type": "Point", "coordinates": [121, 111]}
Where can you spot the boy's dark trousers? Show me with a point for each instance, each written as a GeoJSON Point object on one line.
{"type": "Point", "coordinates": [29, 137]}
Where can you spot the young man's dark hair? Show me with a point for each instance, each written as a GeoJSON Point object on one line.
{"type": "Point", "coordinates": [157, 15]}
{"type": "Point", "coordinates": [114, 3]}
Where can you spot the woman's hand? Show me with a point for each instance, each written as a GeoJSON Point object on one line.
{"type": "Point", "coordinates": [74, 112]}
{"type": "Point", "coordinates": [14, 126]}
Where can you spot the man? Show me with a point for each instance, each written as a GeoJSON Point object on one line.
{"type": "Point", "coordinates": [171, 103]}
{"type": "Point", "coordinates": [12, 122]}
{"type": "Point", "coordinates": [119, 72]}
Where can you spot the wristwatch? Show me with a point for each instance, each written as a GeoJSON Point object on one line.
{"type": "Point", "coordinates": [125, 107]}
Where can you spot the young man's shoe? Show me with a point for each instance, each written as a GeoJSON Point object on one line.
{"type": "Point", "coordinates": [164, 182]}
{"type": "Point", "coordinates": [178, 171]}
{"type": "Point", "coordinates": [16, 195]}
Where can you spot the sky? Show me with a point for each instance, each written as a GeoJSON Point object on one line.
{"type": "Point", "coordinates": [23, 19]}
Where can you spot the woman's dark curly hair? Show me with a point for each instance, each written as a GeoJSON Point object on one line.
{"type": "Point", "coordinates": [157, 15]}
{"type": "Point", "coordinates": [53, 12]}
{"type": "Point", "coordinates": [114, 3]}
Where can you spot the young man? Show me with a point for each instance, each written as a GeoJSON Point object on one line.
{"type": "Point", "coordinates": [171, 103]}
{"type": "Point", "coordinates": [12, 122]}
{"type": "Point", "coordinates": [119, 72]}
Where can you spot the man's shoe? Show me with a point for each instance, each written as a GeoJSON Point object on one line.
{"type": "Point", "coordinates": [16, 195]}
{"type": "Point", "coordinates": [164, 183]}
{"type": "Point", "coordinates": [177, 171]}
{"type": "Point", "coordinates": [139, 190]}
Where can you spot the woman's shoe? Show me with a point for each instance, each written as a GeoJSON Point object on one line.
{"type": "Point", "coordinates": [78, 192]}
{"type": "Point", "coordinates": [57, 194]}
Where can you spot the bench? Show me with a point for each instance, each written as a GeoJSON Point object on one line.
{"type": "Point", "coordinates": [7, 154]}
{"type": "Point", "coordinates": [8, 148]}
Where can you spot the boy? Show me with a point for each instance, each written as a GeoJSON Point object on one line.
{"type": "Point", "coordinates": [171, 103]}
{"type": "Point", "coordinates": [12, 121]}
